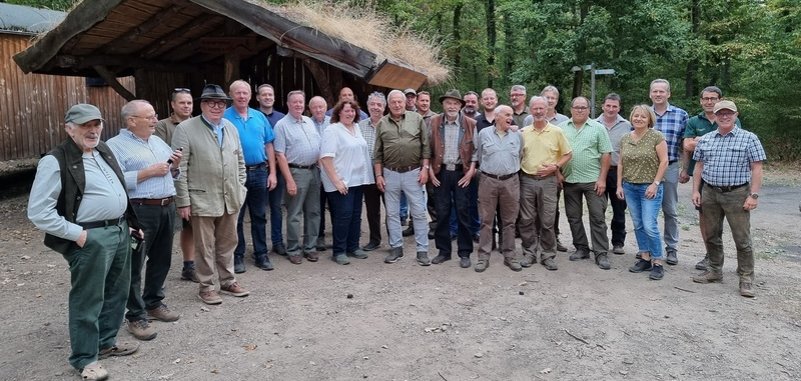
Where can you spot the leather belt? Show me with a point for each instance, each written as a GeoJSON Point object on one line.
{"type": "Point", "coordinates": [102, 223]}
{"type": "Point", "coordinates": [454, 167]}
{"type": "Point", "coordinates": [727, 188]}
{"type": "Point", "coordinates": [403, 169]}
{"type": "Point", "coordinates": [499, 177]}
{"type": "Point", "coordinates": [535, 177]}
{"type": "Point", "coordinates": [256, 166]}
{"type": "Point", "coordinates": [298, 166]}
{"type": "Point", "coordinates": [153, 201]}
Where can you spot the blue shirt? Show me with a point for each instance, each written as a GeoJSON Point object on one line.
{"type": "Point", "coordinates": [134, 154]}
{"type": "Point", "coordinates": [254, 132]}
{"type": "Point", "coordinates": [274, 117]}
{"type": "Point", "coordinates": [672, 124]}
{"type": "Point", "coordinates": [727, 158]}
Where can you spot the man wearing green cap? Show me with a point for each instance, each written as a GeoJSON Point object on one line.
{"type": "Point", "coordinates": [79, 200]}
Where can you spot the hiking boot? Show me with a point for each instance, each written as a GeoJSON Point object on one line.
{"type": "Point", "coordinates": [440, 258]}
{"type": "Point", "coordinates": [618, 249]}
{"type": "Point", "coordinates": [746, 289]}
{"type": "Point", "coordinates": [263, 262]}
{"type": "Point", "coordinates": [209, 297]}
{"type": "Point", "coordinates": [408, 231]}
{"type": "Point", "coordinates": [703, 264]}
{"type": "Point", "coordinates": [141, 329]}
{"type": "Point", "coordinates": [657, 272]}
{"type": "Point", "coordinates": [235, 289]}
{"type": "Point", "coordinates": [341, 259]}
{"type": "Point", "coordinates": [370, 246]}
{"type": "Point", "coordinates": [513, 264]}
{"type": "Point", "coordinates": [559, 246]}
{"type": "Point", "coordinates": [527, 261]}
{"type": "Point", "coordinates": [602, 261]}
{"type": "Point", "coordinates": [120, 349]}
{"type": "Point", "coordinates": [188, 273]}
{"type": "Point", "coordinates": [708, 277]}
{"type": "Point", "coordinates": [162, 313]}
{"type": "Point", "coordinates": [395, 253]}
{"type": "Point", "coordinates": [640, 266]}
{"type": "Point", "coordinates": [579, 254]}
{"type": "Point", "coordinates": [671, 258]}
{"type": "Point", "coordinates": [481, 265]}
{"type": "Point", "coordinates": [239, 264]}
{"type": "Point", "coordinates": [358, 254]}
{"type": "Point", "coordinates": [464, 262]}
{"type": "Point", "coordinates": [279, 249]}
{"type": "Point", "coordinates": [549, 264]}
{"type": "Point", "coordinates": [422, 258]}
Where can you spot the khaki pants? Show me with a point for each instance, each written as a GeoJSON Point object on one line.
{"type": "Point", "coordinates": [538, 205]}
{"type": "Point", "coordinates": [215, 241]}
{"type": "Point", "coordinates": [717, 205]}
{"type": "Point", "coordinates": [503, 194]}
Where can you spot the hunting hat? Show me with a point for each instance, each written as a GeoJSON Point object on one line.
{"type": "Point", "coordinates": [215, 92]}
{"type": "Point", "coordinates": [453, 94]}
{"type": "Point", "coordinates": [728, 105]}
{"type": "Point", "coordinates": [82, 113]}
{"type": "Point", "coordinates": [409, 91]}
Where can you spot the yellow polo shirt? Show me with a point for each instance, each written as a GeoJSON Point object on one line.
{"type": "Point", "coordinates": [541, 148]}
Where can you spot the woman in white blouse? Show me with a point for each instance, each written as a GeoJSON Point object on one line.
{"type": "Point", "coordinates": [346, 167]}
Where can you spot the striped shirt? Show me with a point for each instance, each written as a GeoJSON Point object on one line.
{"type": "Point", "coordinates": [298, 140]}
{"type": "Point", "coordinates": [672, 124]}
{"type": "Point", "coordinates": [368, 131]}
{"type": "Point", "coordinates": [727, 158]}
{"type": "Point", "coordinates": [589, 143]}
{"type": "Point", "coordinates": [134, 154]}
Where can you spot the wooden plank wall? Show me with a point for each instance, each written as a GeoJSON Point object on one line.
{"type": "Point", "coordinates": [32, 106]}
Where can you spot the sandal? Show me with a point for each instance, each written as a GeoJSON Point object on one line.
{"type": "Point", "coordinates": [120, 349]}
{"type": "Point", "coordinates": [94, 371]}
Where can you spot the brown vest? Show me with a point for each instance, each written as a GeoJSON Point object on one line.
{"type": "Point", "coordinates": [466, 145]}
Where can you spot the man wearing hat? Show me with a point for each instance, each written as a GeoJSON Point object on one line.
{"type": "Point", "coordinates": [453, 165]}
{"type": "Point", "coordinates": [79, 200]}
{"type": "Point", "coordinates": [211, 191]}
{"type": "Point", "coordinates": [411, 99]}
{"type": "Point", "coordinates": [729, 161]}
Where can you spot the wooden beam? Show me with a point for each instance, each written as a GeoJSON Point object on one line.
{"type": "Point", "coordinates": [125, 42]}
{"type": "Point", "coordinates": [324, 81]}
{"type": "Point", "coordinates": [83, 62]}
{"type": "Point", "coordinates": [111, 79]}
{"type": "Point", "coordinates": [170, 40]}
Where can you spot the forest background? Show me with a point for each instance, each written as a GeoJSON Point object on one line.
{"type": "Point", "coordinates": [749, 48]}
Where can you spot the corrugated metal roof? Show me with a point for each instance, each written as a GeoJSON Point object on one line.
{"type": "Point", "coordinates": [29, 20]}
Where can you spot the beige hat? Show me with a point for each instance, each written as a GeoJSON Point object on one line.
{"type": "Point", "coordinates": [728, 105]}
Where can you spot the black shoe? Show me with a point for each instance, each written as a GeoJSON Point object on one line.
{"type": "Point", "coordinates": [188, 273]}
{"type": "Point", "coordinates": [430, 234]}
{"type": "Point", "coordinates": [579, 254]}
{"type": "Point", "coordinates": [476, 238]}
{"type": "Point", "coordinates": [559, 246]}
{"type": "Point", "coordinates": [703, 264]}
{"type": "Point", "coordinates": [440, 258]}
{"type": "Point", "coordinates": [422, 258]}
{"type": "Point", "coordinates": [618, 249]}
{"type": "Point", "coordinates": [239, 264]}
{"type": "Point", "coordinates": [320, 244]}
{"type": "Point", "coordinates": [370, 246]}
{"type": "Point", "coordinates": [640, 266]}
{"type": "Point", "coordinates": [394, 254]}
{"type": "Point", "coordinates": [657, 272]}
{"type": "Point", "coordinates": [279, 249]}
{"type": "Point", "coordinates": [464, 262]}
{"type": "Point", "coordinates": [408, 231]}
{"type": "Point", "coordinates": [671, 258]}
{"type": "Point", "coordinates": [263, 262]}
{"type": "Point", "coordinates": [602, 261]}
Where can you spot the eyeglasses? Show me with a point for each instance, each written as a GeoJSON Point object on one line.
{"type": "Point", "coordinates": [724, 114]}
{"type": "Point", "coordinates": [710, 99]}
{"type": "Point", "coordinates": [513, 95]}
{"type": "Point", "coordinates": [215, 104]}
{"type": "Point", "coordinates": [152, 117]}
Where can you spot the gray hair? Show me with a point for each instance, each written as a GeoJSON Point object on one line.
{"type": "Point", "coordinates": [537, 98]}
{"type": "Point", "coordinates": [239, 82]}
{"type": "Point", "coordinates": [377, 96]}
{"type": "Point", "coordinates": [130, 108]}
{"type": "Point", "coordinates": [550, 89]}
{"type": "Point", "coordinates": [519, 88]}
{"type": "Point", "coordinates": [660, 80]}
{"type": "Point", "coordinates": [396, 92]}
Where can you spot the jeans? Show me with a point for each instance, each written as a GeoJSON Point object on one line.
{"type": "Point", "coordinates": [406, 183]}
{"type": "Point", "coordinates": [644, 213]}
{"type": "Point", "coordinates": [157, 224]}
{"type": "Point", "coordinates": [256, 204]}
{"type": "Point", "coordinates": [304, 204]}
{"type": "Point", "coordinates": [574, 193]}
{"type": "Point", "coordinates": [346, 219]}
{"type": "Point", "coordinates": [276, 197]}
{"type": "Point", "coordinates": [404, 208]}
{"type": "Point", "coordinates": [618, 225]}
{"type": "Point", "coordinates": [716, 206]}
{"type": "Point", "coordinates": [669, 202]}
{"type": "Point", "coordinates": [446, 197]}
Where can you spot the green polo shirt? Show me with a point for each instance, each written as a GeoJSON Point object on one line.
{"type": "Point", "coordinates": [589, 143]}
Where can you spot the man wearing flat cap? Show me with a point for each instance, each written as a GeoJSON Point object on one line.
{"type": "Point", "coordinates": [211, 191]}
{"type": "Point", "coordinates": [729, 161]}
{"type": "Point", "coordinates": [453, 165]}
{"type": "Point", "coordinates": [79, 200]}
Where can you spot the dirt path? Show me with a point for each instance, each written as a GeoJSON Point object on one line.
{"type": "Point", "coordinates": [406, 322]}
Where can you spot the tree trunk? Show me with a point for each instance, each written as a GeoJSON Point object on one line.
{"type": "Point", "coordinates": [690, 83]}
{"type": "Point", "coordinates": [457, 35]}
{"type": "Point", "coordinates": [491, 38]}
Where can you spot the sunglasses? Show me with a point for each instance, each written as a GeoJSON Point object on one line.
{"type": "Point", "coordinates": [181, 90]}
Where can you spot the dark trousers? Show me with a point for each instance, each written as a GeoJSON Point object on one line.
{"type": "Point", "coordinates": [323, 200]}
{"type": "Point", "coordinates": [256, 204]}
{"type": "Point", "coordinates": [618, 225]}
{"type": "Point", "coordinates": [472, 205]}
{"type": "Point", "coordinates": [372, 202]}
{"type": "Point", "coordinates": [446, 196]}
{"type": "Point", "coordinates": [276, 197]}
{"type": "Point", "coordinates": [346, 219]}
{"type": "Point", "coordinates": [157, 224]}
{"type": "Point", "coordinates": [575, 193]}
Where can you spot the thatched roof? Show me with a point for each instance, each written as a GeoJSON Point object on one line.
{"type": "Point", "coordinates": [117, 37]}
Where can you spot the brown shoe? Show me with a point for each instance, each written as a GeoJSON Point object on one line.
{"type": "Point", "coordinates": [162, 313]}
{"type": "Point", "coordinates": [708, 277]}
{"type": "Point", "coordinates": [210, 297]}
{"type": "Point", "coordinates": [119, 349]}
{"type": "Point", "coordinates": [746, 289]}
{"type": "Point", "coordinates": [234, 289]}
{"type": "Point", "coordinates": [295, 259]}
{"type": "Point", "coordinates": [311, 256]}
{"type": "Point", "coordinates": [141, 329]}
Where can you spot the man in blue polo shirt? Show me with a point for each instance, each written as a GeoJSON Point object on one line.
{"type": "Point", "coordinates": [256, 137]}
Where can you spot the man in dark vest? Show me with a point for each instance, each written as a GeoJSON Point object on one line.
{"type": "Point", "coordinates": [79, 200]}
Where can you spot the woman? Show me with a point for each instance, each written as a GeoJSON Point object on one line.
{"type": "Point", "coordinates": [643, 161]}
{"type": "Point", "coordinates": [346, 167]}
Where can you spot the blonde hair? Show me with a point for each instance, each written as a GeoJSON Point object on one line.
{"type": "Point", "coordinates": [648, 111]}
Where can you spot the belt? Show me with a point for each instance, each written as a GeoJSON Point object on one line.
{"type": "Point", "coordinates": [153, 201]}
{"type": "Point", "coordinates": [535, 177]}
{"type": "Point", "coordinates": [403, 169]}
{"type": "Point", "coordinates": [256, 166]}
{"type": "Point", "coordinates": [454, 167]}
{"type": "Point", "coordinates": [727, 188]}
{"type": "Point", "coordinates": [298, 166]}
{"type": "Point", "coordinates": [499, 177]}
{"type": "Point", "coordinates": [102, 223]}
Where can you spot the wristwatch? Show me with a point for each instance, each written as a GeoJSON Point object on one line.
{"type": "Point", "coordinates": [754, 195]}
{"type": "Point", "coordinates": [657, 182]}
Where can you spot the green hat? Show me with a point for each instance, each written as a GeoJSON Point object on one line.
{"type": "Point", "coordinates": [215, 92]}
{"type": "Point", "coordinates": [453, 94]}
{"type": "Point", "coordinates": [82, 113]}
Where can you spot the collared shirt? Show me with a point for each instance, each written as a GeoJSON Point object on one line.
{"type": "Point", "coordinates": [482, 122]}
{"type": "Point", "coordinates": [255, 132]}
{"type": "Point", "coordinates": [402, 143]}
{"type": "Point", "coordinates": [166, 127]}
{"type": "Point", "coordinates": [698, 126]}
{"type": "Point", "coordinates": [520, 118]}
{"type": "Point", "coordinates": [640, 161]}
{"type": "Point", "coordinates": [499, 152]}
{"type": "Point", "coordinates": [556, 120]}
{"type": "Point", "coordinates": [321, 125]}
{"type": "Point", "coordinates": [298, 140]}
{"type": "Point", "coordinates": [672, 124]}
{"type": "Point", "coordinates": [542, 147]}
{"type": "Point", "coordinates": [727, 158]}
{"type": "Point", "coordinates": [619, 128]}
{"type": "Point", "coordinates": [427, 117]}
{"type": "Point", "coordinates": [134, 154]}
{"type": "Point", "coordinates": [589, 143]}
{"type": "Point", "coordinates": [368, 132]}
{"type": "Point", "coordinates": [216, 129]}
{"type": "Point", "coordinates": [451, 132]}
{"type": "Point", "coordinates": [349, 153]}
{"type": "Point", "coordinates": [274, 117]}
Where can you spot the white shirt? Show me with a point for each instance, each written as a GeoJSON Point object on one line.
{"type": "Point", "coordinates": [351, 157]}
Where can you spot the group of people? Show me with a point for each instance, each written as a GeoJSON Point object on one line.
{"type": "Point", "coordinates": [111, 209]}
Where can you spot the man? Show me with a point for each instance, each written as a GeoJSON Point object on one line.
{"type": "Point", "coordinates": [453, 165]}
{"type": "Point", "coordinates": [586, 178]}
{"type": "Point", "coordinates": [545, 152]}
{"type": "Point", "coordinates": [211, 191]}
{"type": "Point", "coordinates": [671, 121]}
{"type": "Point", "coordinates": [498, 150]}
{"type": "Point", "coordinates": [551, 93]}
{"type": "Point", "coordinates": [616, 127]}
{"type": "Point", "coordinates": [346, 94]}
{"type": "Point", "coordinates": [266, 99]}
{"type": "Point", "coordinates": [489, 100]}
{"type": "Point", "coordinates": [149, 167]}
{"type": "Point", "coordinates": [517, 98]}
{"type": "Point", "coordinates": [181, 104]}
{"type": "Point", "coordinates": [729, 167]}
{"type": "Point", "coordinates": [376, 104]}
{"type": "Point", "coordinates": [470, 108]}
{"type": "Point", "coordinates": [424, 107]}
{"type": "Point", "coordinates": [411, 99]}
{"type": "Point", "coordinates": [317, 106]}
{"type": "Point", "coordinates": [78, 199]}
{"type": "Point", "coordinates": [400, 161]}
{"type": "Point", "coordinates": [697, 127]}
{"type": "Point", "coordinates": [256, 137]}
{"type": "Point", "coordinates": [297, 148]}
